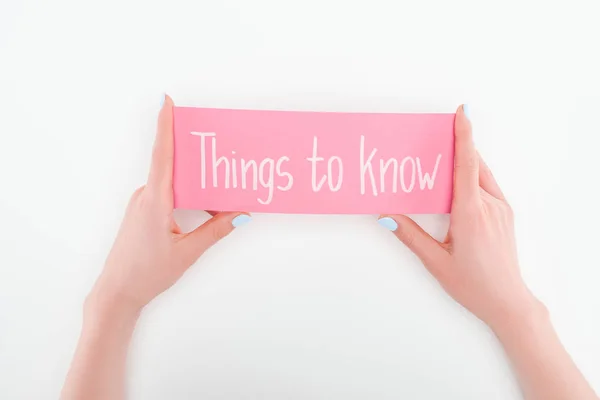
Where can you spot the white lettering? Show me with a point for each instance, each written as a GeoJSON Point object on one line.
{"type": "Point", "coordinates": [412, 178]}
{"type": "Point", "coordinates": [203, 154]}
{"type": "Point", "coordinates": [215, 164]}
{"type": "Point", "coordinates": [313, 160]}
{"type": "Point", "coordinates": [268, 183]}
{"type": "Point", "coordinates": [245, 166]}
{"type": "Point", "coordinates": [366, 166]}
{"type": "Point", "coordinates": [426, 179]}
{"type": "Point", "coordinates": [338, 185]}
{"type": "Point", "coordinates": [233, 171]}
{"type": "Point", "coordinates": [286, 174]}
{"type": "Point", "coordinates": [383, 169]}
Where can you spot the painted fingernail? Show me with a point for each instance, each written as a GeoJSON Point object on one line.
{"type": "Point", "coordinates": [388, 223]}
{"type": "Point", "coordinates": [162, 99]}
{"type": "Point", "coordinates": [241, 220]}
{"type": "Point", "coordinates": [466, 111]}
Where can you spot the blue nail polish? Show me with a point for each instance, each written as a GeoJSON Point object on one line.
{"type": "Point", "coordinates": [241, 220]}
{"type": "Point", "coordinates": [388, 223]}
{"type": "Point", "coordinates": [162, 100]}
{"type": "Point", "coordinates": [466, 111]}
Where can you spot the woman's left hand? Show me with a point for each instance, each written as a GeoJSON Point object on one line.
{"type": "Point", "coordinates": [150, 252]}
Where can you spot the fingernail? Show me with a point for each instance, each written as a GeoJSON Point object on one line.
{"type": "Point", "coordinates": [241, 220]}
{"type": "Point", "coordinates": [162, 99]}
{"type": "Point", "coordinates": [466, 111]}
{"type": "Point", "coordinates": [388, 223]}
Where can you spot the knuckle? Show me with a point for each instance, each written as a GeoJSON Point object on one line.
{"type": "Point", "coordinates": [485, 172]}
{"type": "Point", "coordinates": [470, 207]}
{"type": "Point", "coordinates": [219, 231]}
{"type": "Point", "coordinates": [408, 239]}
{"type": "Point", "coordinates": [136, 195]}
{"type": "Point", "coordinates": [469, 163]}
{"type": "Point", "coordinates": [138, 192]}
{"type": "Point", "coordinates": [508, 210]}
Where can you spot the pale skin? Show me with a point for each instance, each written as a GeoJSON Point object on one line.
{"type": "Point", "coordinates": [476, 264]}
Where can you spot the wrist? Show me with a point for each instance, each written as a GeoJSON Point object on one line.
{"type": "Point", "coordinates": [528, 314]}
{"type": "Point", "coordinates": [106, 306]}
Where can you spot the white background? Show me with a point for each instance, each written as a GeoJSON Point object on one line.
{"type": "Point", "coordinates": [291, 307]}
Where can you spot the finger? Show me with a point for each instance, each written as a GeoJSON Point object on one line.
{"type": "Point", "coordinates": [487, 180]}
{"type": "Point", "coordinates": [414, 237]}
{"type": "Point", "coordinates": [466, 161]}
{"type": "Point", "coordinates": [212, 213]}
{"type": "Point", "coordinates": [206, 235]}
{"type": "Point", "coordinates": [161, 168]}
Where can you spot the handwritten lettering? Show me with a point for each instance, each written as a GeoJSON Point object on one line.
{"type": "Point", "coordinates": [271, 176]}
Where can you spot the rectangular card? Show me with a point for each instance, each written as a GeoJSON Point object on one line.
{"type": "Point", "coordinates": [313, 162]}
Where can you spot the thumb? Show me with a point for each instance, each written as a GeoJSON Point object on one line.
{"type": "Point", "coordinates": [206, 235]}
{"type": "Point", "coordinates": [414, 237]}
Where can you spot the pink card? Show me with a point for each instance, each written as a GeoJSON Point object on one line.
{"type": "Point", "coordinates": [313, 162]}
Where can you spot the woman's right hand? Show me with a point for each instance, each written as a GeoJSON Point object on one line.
{"type": "Point", "coordinates": [477, 262]}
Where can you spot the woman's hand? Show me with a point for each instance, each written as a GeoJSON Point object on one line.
{"type": "Point", "coordinates": [150, 252]}
{"type": "Point", "coordinates": [477, 263]}
{"type": "Point", "coordinates": [149, 255]}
